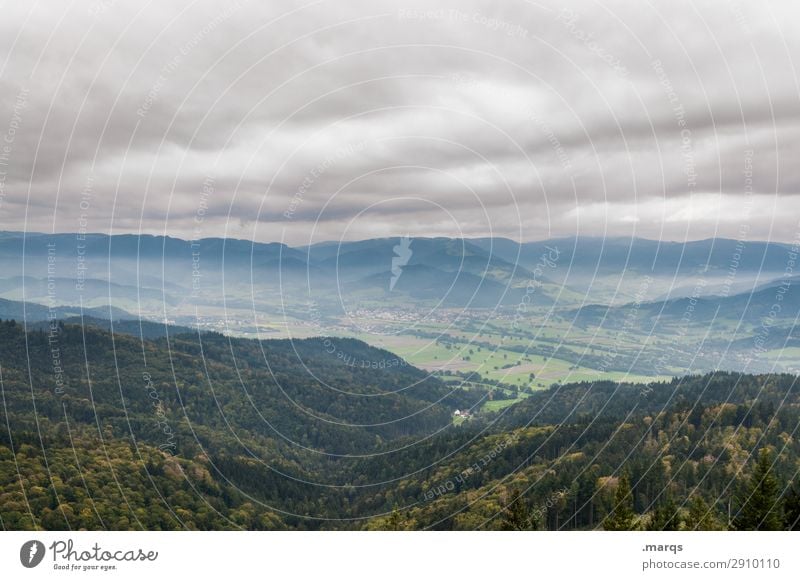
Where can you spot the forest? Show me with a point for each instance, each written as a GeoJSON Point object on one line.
{"type": "Point", "coordinates": [105, 430]}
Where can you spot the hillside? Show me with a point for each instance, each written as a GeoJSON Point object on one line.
{"type": "Point", "coordinates": [205, 431]}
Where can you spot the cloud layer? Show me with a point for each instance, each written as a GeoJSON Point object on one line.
{"type": "Point", "coordinates": [315, 121]}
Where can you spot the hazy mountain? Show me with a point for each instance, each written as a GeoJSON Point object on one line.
{"type": "Point", "coordinates": [615, 255]}
{"type": "Point", "coordinates": [147, 329]}
{"type": "Point", "coordinates": [161, 275]}
{"type": "Point", "coordinates": [32, 312]}
{"type": "Point", "coordinates": [140, 247]}
{"type": "Point", "coordinates": [451, 289]}
{"type": "Point", "coordinates": [777, 300]}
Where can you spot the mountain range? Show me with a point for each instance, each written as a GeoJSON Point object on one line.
{"type": "Point", "coordinates": [159, 271]}
{"type": "Point", "coordinates": [645, 292]}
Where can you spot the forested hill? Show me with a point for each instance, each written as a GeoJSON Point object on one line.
{"type": "Point", "coordinates": [205, 431]}
{"type": "Point", "coordinates": [335, 396]}
{"type": "Point", "coordinates": [755, 399]}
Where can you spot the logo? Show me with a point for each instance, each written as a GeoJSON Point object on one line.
{"type": "Point", "coordinates": [403, 253]}
{"type": "Point", "coordinates": [31, 553]}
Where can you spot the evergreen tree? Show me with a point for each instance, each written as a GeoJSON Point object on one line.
{"type": "Point", "coordinates": [665, 517]}
{"type": "Point", "coordinates": [759, 504]}
{"type": "Point", "coordinates": [791, 508]}
{"type": "Point", "coordinates": [623, 517]}
{"type": "Point", "coordinates": [395, 521]}
{"type": "Point", "coordinates": [516, 516]}
{"type": "Point", "coordinates": [701, 517]}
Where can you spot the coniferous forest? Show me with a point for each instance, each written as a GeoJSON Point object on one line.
{"type": "Point", "coordinates": [107, 430]}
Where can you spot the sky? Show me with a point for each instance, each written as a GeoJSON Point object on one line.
{"type": "Point", "coordinates": [304, 122]}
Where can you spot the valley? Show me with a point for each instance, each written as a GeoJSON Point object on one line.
{"type": "Point", "coordinates": [300, 388]}
{"type": "Point", "coordinates": [564, 309]}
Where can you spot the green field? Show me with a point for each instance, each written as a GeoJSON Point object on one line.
{"type": "Point", "coordinates": [538, 349]}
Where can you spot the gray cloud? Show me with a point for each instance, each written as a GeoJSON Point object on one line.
{"type": "Point", "coordinates": [327, 119]}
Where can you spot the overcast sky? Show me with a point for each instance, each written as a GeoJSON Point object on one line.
{"type": "Point", "coordinates": [326, 120]}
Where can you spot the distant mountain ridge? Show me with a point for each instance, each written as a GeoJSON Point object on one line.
{"type": "Point", "coordinates": [650, 256]}
{"type": "Point", "coordinates": [33, 312]}
{"type": "Point", "coordinates": [633, 253]}
{"type": "Point", "coordinates": [153, 272]}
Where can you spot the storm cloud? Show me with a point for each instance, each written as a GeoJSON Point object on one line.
{"type": "Point", "coordinates": [304, 122]}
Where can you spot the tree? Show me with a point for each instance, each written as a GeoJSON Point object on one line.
{"type": "Point", "coordinates": [701, 517]}
{"type": "Point", "coordinates": [516, 516]}
{"type": "Point", "coordinates": [623, 517]}
{"type": "Point", "coordinates": [791, 508]}
{"type": "Point", "coordinates": [395, 522]}
{"type": "Point", "coordinates": [759, 504]}
{"type": "Point", "coordinates": [665, 517]}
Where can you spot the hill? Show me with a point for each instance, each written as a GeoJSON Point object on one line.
{"type": "Point", "coordinates": [209, 432]}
